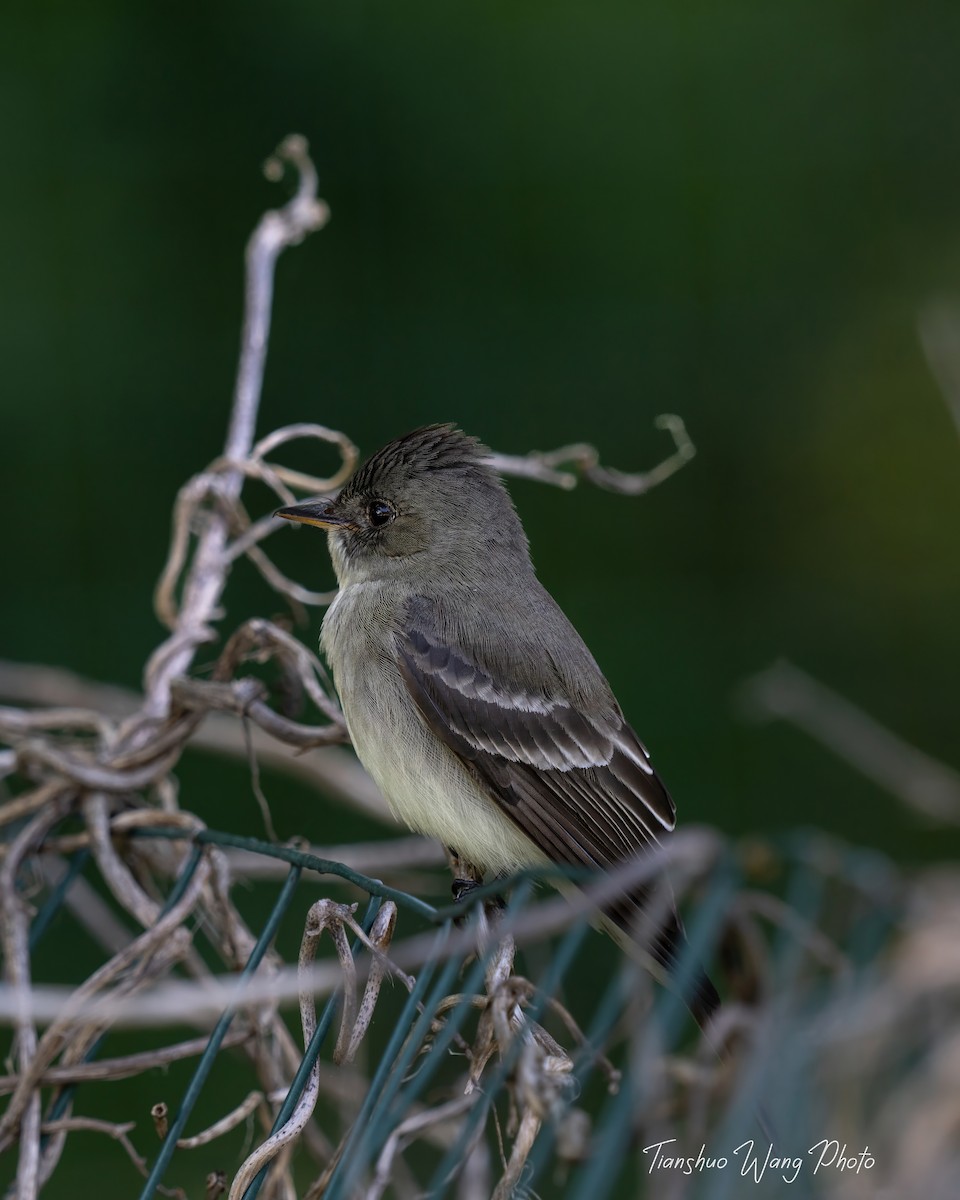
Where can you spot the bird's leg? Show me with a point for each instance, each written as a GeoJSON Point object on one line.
{"type": "Point", "coordinates": [466, 877]}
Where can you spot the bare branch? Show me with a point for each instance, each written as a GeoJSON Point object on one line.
{"type": "Point", "coordinates": [302, 429]}
{"type": "Point", "coordinates": [88, 774]}
{"type": "Point", "coordinates": [25, 806]}
{"type": "Point", "coordinates": [118, 876]}
{"type": "Point", "coordinates": [92, 1125]}
{"type": "Point", "coordinates": [522, 1146]}
{"type": "Point", "coordinates": [322, 915]}
{"type": "Point", "coordinates": [335, 772]}
{"type": "Point", "coordinates": [939, 327]}
{"type": "Point", "coordinates": [165, 941]}
{"type": "Point", "coordinates": [16, 967]}
{"type": "Point", "coordinates": [443, 1114]}
{"type": "Point", "coordinates": [284, 585]}
{"type": "Point", "coordinates": [205, 582]}
{"type": "Point", "coordinates": [87, 906]}
{"type": "Point", "coordinates": [920, 782]}
{"type": "Point", "coordinates": [230, 1121]}
{"type": "Point", "coordinates": [14, 722]}
{"type": "Point", "coordinates": [544, 466]}
{"type": "Point", "coordinates": [241, 697]}
{"type": "Point", "coordinates": [128, 1064]}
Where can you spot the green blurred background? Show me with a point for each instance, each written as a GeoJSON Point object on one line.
{"type": "Point", "coordinates": [550, 223]}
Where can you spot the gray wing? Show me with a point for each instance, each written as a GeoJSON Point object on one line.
{"type": "Point", "coordinates": [578, 783]}
{"type": "Point", "coordinates": [571, 774]}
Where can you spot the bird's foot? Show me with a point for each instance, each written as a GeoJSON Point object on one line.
{"type": "Point", "coordinates": [467, 877]}
{"type": "Point", "coordinates": [462, 889]}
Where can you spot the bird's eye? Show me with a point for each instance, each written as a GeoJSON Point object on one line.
{"type": "Point", "coordinates": [380, 512]}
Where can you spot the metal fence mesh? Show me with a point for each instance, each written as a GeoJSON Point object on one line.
{"type": "Point", "coordinates": [468, 1085]}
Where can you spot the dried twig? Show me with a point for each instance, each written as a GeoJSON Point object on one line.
{"type": "Point", "coordinates": [164, 941]}
{"type": "Point", "coordinates": [92, 1125]}
{"type": "Point", "coordinates": [335, 772]}
{"type": "Point", "coordinates": [277, 230]}
{"type": "Point", "coordinates": [544, 465]}
{"type": "Point", "coordinates": [230, 1121]}
{"type": "Point", "coordinates": [442, 1114]}
{"type": "Point", "coordinates": [126, 1065]}
{"type": "Point", "coordinates": [939, 327]}
{"type": "Point", "coordinates": [16, 962]}
{"type": "Point", "coordinates": [324, 914]}
{"type": "Point", "coordinates": [924, 785]}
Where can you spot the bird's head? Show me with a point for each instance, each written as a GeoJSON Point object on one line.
{"type": "Point", "coordinates": [426, 503]}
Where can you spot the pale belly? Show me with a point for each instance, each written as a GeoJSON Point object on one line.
{"type": "Point", "coordinates": [422, 780]}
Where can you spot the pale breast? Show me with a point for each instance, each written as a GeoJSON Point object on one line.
{"type": "Point", "coordinates": [425, 784]}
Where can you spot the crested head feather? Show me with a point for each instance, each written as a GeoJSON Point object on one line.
{"type": "Point", "coordinates": [431, 448]}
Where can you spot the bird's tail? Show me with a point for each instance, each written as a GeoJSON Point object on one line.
{"type": "Point", "coordinates": [667, 950]}
{"type": "Point", "coordinates": [695, 987]}
{"type": "Point", "coordinates": [661, 941]}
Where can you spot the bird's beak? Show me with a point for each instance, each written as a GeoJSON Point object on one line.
{"type": "Point", "coordinates": [323, 514]}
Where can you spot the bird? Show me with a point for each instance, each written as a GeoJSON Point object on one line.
{"type": "Point", "coordinates": [472, 700]}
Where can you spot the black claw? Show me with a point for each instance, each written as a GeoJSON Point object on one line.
{"type": "Point", "coordinates": [461, 889]}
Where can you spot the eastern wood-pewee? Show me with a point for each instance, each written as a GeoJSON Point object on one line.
{"type": "Point", "coordinates": [469, 696]}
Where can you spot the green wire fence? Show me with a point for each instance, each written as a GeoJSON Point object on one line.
{"type": "Point", "coordinates": [412, 1067]}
